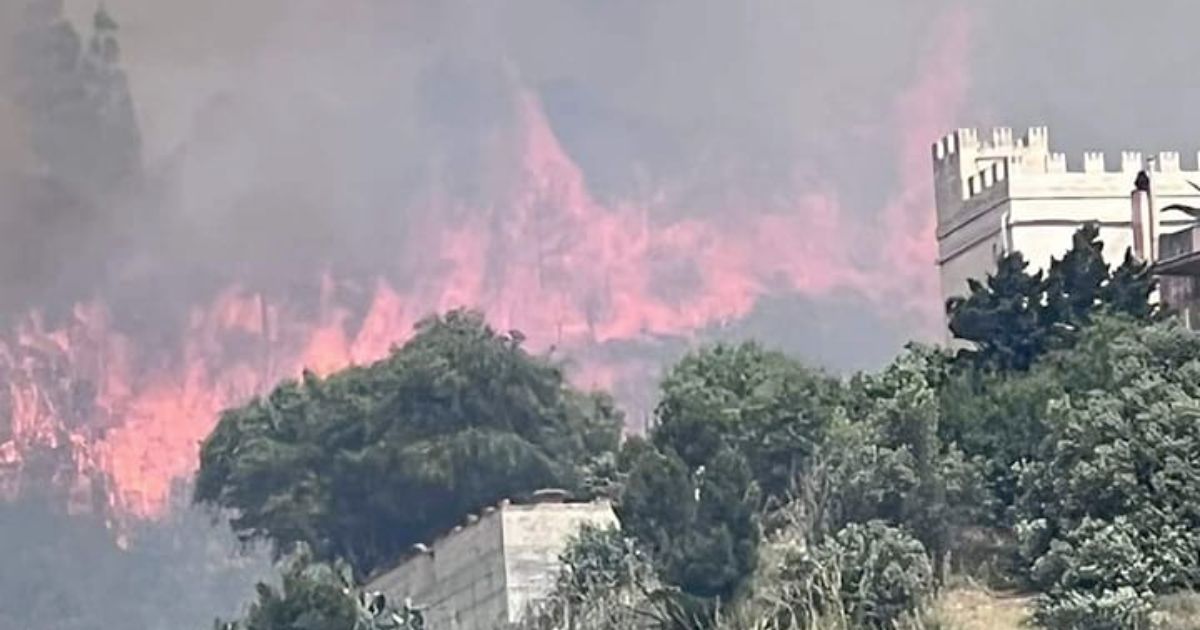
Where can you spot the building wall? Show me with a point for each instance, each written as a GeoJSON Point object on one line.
{"type": "Point", "coordinates": [534, 537]}
{"type": "Point", "coordinates": [490, 570]}
{"type": "Point", "coordinates": [1179, 282]}
{"type": "Point", "coordinates": [1004, 193]}
{"type": "Point", "coordinates": [459, 583]}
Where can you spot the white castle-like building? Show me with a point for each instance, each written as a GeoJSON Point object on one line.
{"type": "Point", "coordinates": [1002, 193]}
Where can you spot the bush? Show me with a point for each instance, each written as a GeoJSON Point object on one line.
{"type": "Point", "coordinates": [604, 584]}
{"type": "Point", "coordinates": [866, 576]}
{"type": "Point", "coordinates": [1109, 506]}
{"type": "Point", "coordinates": [457, 418]}
{"type": "Point", "coordinates": [885, 573]}
{"type": "Point", "coordinates": [1112, 609]}
{"type": "Point", "coordinates": [598, 561]}
{"type": "Point", "coordinates": [1104, 574]}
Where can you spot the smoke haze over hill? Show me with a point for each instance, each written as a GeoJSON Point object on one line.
{"type": "Point", "coordinates": [619, 180]}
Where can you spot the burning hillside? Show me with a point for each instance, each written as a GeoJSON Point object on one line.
{"type": "Point", "coordinates": [123, 411]}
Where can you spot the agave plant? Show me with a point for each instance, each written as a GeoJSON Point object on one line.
{"type": "Point", "coordinates": [322, 595]}
{"type": "Point", "coordinates": [374, 613]}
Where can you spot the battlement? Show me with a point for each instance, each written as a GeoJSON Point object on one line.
{"type": "Point", "coordinates": [963, 148]}
{"type": "Point", "coordinates": [998, 193]}
{"type": "Point", "coordinates": [966, 141]}
{"type": "Point", "coordinates": [973, 169]}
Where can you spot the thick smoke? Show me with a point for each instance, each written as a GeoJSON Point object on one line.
{"type": "Point", "coordinates": [67, 573]}
{"type": "Point", "coordinates": [278, 142]}
{"type": "Point", "coordinates": [290, 136]}
{"type": "Point", "coordinates": [1103, 75]}
{"type": "Point", "coordinates": [294, 136]}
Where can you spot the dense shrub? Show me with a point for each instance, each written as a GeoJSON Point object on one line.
{"type": "Point", "coordinates": [885, 573]}
{"type": "Point", "coordinates": [598, 561]}
{"type": "Point", "coordinates": [1110, 506]}
{"type": "Point", "coordinates": [1123, 608]}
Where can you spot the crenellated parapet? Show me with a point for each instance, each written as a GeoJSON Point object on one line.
{"type": "Point", "coordinates": [974, 171]}
{"type": "Point", "coordinates": [998, 192]}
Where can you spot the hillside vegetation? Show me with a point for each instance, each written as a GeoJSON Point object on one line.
{"type": "Point", "coordinates": [1054, 464]}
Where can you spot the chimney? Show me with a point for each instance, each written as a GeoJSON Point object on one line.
{"type": "Point", "coordinates": [1143, 218]}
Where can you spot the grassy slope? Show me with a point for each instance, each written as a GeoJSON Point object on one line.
{"type": "Point", "coordinates": [976, 608]}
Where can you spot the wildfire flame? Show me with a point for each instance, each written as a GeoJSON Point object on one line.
{"type": "Point", "coordinates": [549, 259]}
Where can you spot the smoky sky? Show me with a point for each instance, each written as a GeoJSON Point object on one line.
{"type": "Point", "coordinates": [286, 136]}
{"type": "Point", "coordinates": [1103, 75]}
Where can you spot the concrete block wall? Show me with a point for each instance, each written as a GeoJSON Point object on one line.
{"type": "Point", "coordinates": [458, 581]}
{"type": "Point", "coordinates": [490, 570]}
{"type": "Point", "coordinates": [534, 537]}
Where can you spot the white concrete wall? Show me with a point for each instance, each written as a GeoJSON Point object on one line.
{"type": "Point", "coordinates": [487, 573]}
{"type": "Point", "coordinates": [534, 538]}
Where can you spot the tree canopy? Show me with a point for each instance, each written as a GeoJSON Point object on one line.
{"type": "Point", "coordinates": [769, 407]}
{"type": "Point", "coordinates": [1111, 500]}
{"type": "Point", "coordinates": [735, 426]}
{"type": "Point", "coordinates": [1014, 316]}
{"type": "Point", "coordinates": [1056, 453]}
{"type": "Point", "coordinates": [367, 462]}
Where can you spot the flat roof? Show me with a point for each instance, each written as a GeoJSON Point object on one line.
{"type": "Point", "coordinates": [1183, 265]}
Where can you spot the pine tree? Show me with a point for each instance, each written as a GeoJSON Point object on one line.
{"type": "Point", "coordinates": [1129, 288]}
{"type": "Point", "coordinates": [116, 141]}
{"type": "Point", "coordinates": [82, 123]}
{"type": "Point", "coordinates": [1075, 283]}
{"type": "Point", "coordinates": [1014, 316]}
{"type": "Point", "coordinates": [46, 78]}
{"type": "Point", "coordinates": [1002, 316]}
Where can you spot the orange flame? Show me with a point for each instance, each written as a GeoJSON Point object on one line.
{"type": "Point", "coordinates": [548, 258]}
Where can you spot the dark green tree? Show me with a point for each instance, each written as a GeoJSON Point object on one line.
{"type": "Point", "coordinates": [998, 420]}
{"type": "Point", "coordinates": [698, 527]}
{"type": "Point", "coordinates": [1109, 506]}
{"type": "Point", "coordinates": [766, 405]}
{"type": "Point", "coordinates": [736, 424]}
{"type": "Point", "coordinates": [1129, 289]}
{"type": "Point", "coordinates": [1014, 316]}
{"type": "Point", "coordinates": [1075, 283]}
{"type": "Point", "coordinates": [371, 460]}
{"type": "Point", "coordinates": [1002, 316]}
{"type": "Point", "coordinates": [997, 414]}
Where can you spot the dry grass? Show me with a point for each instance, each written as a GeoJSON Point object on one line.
{"type": "Point", "coordinates": [1180, 611]}
{"type": "Point", "coordinates": [970, 607]}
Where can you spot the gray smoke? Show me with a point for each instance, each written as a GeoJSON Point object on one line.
{"type": "Point", "coordinates": [293, 134]}
{"type": "Point", "coordinates": [286, 136]}
{"type": "Point", "coordinates": [278, 138]}
{"type": "Point", "coordinates": [66, 572]}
